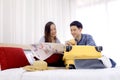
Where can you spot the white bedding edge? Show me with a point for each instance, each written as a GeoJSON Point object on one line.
{"type": "Point", "coordinates": [12, 74]}
{"type": "Point", "coordinates": [62, 74]}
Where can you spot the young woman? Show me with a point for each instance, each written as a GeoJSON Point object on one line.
{"type": "Point", "coordinates": [51, 37]}
{"type": "Point", "coordinates": [50, 33]}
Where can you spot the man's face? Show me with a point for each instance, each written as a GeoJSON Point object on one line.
{"type": "Point", "coordinates": [75, 31]}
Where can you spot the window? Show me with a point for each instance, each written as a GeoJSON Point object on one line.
{"type": "Point", "coordinates": [102, 21]}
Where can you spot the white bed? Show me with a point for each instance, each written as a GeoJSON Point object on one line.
{"type": "Point", "coordinates": [61, 74]}
{"type": "Point", "coordinates": [58, 74]}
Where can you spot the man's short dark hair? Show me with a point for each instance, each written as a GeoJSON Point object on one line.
{"type": "Point", "coordinates": [76, 23]}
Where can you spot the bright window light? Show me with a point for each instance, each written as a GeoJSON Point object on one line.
{"type": "Point", "coordinates": [102, 21]}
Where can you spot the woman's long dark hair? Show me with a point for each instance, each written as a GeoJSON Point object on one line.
{"type": "Point", "coordinates": [47, 32]}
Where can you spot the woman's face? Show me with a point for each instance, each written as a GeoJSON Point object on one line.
{"type": "Point", "coordinates": [75, 31]}
{"type": "Point", "coordinates": [52, 30]}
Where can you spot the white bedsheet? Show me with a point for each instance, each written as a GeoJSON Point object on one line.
{"type": "Point", "coordinates": [62, 74]}
{"type": "Point", "coordinates": [12, 74]}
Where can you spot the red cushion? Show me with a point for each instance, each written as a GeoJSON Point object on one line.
{"type": "Point", "coordinates": [12, 58]}
{"type": "Point", "coordinates": [55, 60]}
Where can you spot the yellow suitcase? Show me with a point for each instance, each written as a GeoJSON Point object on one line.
{"type": "Point", "coordinates": [80, 52]}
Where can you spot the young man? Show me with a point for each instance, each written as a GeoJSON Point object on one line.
{"type": "Point", "coordinates": [81, 39]}
{"type": "Point", "coordinates": [86, 39]}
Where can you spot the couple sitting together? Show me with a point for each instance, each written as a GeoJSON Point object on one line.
{"type": "Point", "coordinates": [79, 39]}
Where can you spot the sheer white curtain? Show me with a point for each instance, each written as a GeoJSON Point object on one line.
{"type": "Point", "coordinates": [101, 19]}
{"type": "Point", "coordinates": [23, 21]}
